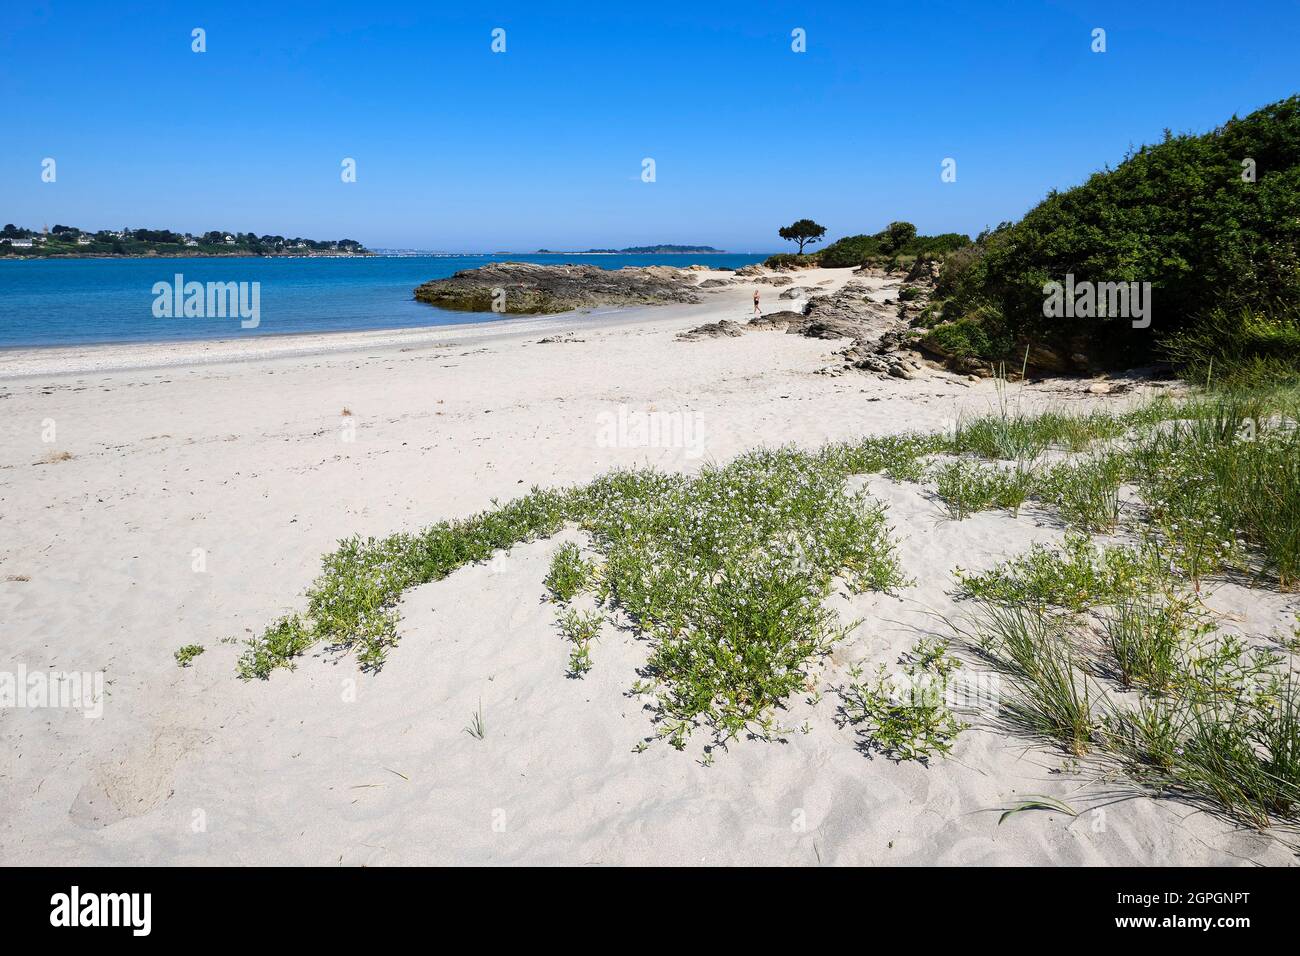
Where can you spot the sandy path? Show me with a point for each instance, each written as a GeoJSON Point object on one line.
{"type": "Point", "coordinates": [252, 462]}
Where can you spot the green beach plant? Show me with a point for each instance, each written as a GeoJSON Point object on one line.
{"type": "Point", "coordinates": [580, 629]}
{"type": "Point", "coordinates": [967, 487]}
{"type": "Point", "coordinates": [569, 573]}
{"type": "Point", "coordinates": [185, 655]}
{"type": "Point", "coordinates": [1077, 576]}
{"type": "Point", "coordinates": [905, 715]}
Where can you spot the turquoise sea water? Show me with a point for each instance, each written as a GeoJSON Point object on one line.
{"type": "Point", "coordinates": [89, 301]}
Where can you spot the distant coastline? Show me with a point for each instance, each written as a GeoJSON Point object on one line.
{"type": "Point", "coordinates": [71, 242]}
{"type": "Point", "coordinates": [187, 254]}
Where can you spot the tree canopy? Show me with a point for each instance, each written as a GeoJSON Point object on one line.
{"type": "Point", "coordinates": [802, 231]}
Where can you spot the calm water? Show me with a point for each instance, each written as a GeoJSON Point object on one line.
{"type": "Point", "coordinates": [89, 301]}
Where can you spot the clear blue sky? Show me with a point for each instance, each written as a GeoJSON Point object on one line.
{"type": "Point", "coordinates": [458, 148]}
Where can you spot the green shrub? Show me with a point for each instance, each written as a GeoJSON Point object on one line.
{"type": "Point", "coordinates": [849, 251]}
{"type": "Point", "coordinates": [790, 260]}
{"type": "Point", "coordinates": [895, 245]}
{"type": "Point", "coordinates": [979, 336]}
{"type": "Point", "coordinates": [1178, 215]}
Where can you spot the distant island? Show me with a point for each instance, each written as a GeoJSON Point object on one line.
{"type": "Point", "coordinates": [632, 251]}
{"type": "Point", "coordinates": [71, 241]}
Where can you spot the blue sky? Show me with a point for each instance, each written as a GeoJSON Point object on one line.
{"type": "Point", "coordinates": [459, 148]}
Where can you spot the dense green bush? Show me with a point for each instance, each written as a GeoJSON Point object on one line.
{"type": "Point", "coordinates": [849, 251]}
{"type": "Point", "coordinates": [790, 260]}
{"type": "Point", "coordinates": [898, 240]}
{"type": "Point", "coordinates": [1182, 215]}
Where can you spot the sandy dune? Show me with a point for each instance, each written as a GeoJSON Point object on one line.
{"type": "Point", "coordinates": [238, 459]}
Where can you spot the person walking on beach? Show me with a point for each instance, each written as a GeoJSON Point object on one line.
{"type": "Point", "coordinates": [757, 313]}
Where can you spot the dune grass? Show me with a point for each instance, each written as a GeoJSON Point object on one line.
{"type": "Point", "coordinates": [1216, 724]}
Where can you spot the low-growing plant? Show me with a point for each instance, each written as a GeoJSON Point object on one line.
{"type": "Point", "coordinates": [569, 573]}
{"type": "Point", "coordinates": [1048, 693]}
{"type": "Point", "coordinates": [1148, 637]}
{"type": "Point", "coordinates": [580, 629]}
{"type": "Point", "coordinates": [966, 487]}
{"type": "Point", "coordinates": [185, 655]}
{"type": "Point", "coordinates": [1077, 576]}
{"type": "Point", "coordinates": [278, 646]}
{"type": "Point", "coordinates": [905, 715]}
{"type": "Point", "coordinates": [1085, 493]}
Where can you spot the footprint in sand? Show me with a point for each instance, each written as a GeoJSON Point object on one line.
{"type": "Point", "coordinates": [132, 785]}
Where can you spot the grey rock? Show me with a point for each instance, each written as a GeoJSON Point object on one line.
{"type": "Point", "coordinates": [724, 328]}
{"type": "Point", "coordinates": [544, 289]}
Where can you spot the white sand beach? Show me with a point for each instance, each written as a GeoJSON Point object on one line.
{"type": "Point", "coordinates": [190, 491]}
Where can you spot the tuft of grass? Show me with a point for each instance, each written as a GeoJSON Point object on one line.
{"type": "Point", "coordinates": [1085, 493]}
{"type": "Point", "coordinates": [185, 655]}
{"type": "Point", "coordinates": [1049, 693]}
{"type": "Point", "coordinates": [1147, 637]}
{"type": "Point", "coordinates": [1007, 437]}
{"type": "Point", "coordinates": [476, 727]}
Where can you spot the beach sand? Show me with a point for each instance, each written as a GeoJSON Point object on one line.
{"type": "Point", "coordinates": [206, 481]}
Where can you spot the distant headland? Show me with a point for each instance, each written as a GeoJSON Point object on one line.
{"type": "Point", "coordinates": [62, 241]}
{"type": "Point", "coordinates": [662, 250]}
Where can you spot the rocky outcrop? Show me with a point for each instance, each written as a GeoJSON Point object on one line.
{"type": "Point", "coordinates": [724, 328]}
{"type": "Point", "coordinates": [522, 288]}
{"type": "Point", "coordinates": [891, 355]}
{"type": "Point", "coordinates": [778, 321]}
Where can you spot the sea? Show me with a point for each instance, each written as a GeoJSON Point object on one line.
{"type": "Point", "coordinates": [59, 302]}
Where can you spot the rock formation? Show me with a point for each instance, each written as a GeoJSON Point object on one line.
{"type": "Point", "coordinates": [522, 288]}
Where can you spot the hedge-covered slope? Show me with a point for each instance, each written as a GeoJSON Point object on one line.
{"type": "Point", "coordinates": [1178, 214]}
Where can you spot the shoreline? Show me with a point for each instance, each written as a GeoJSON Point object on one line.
{"type": "Point", "coordinates": [25, 362]}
